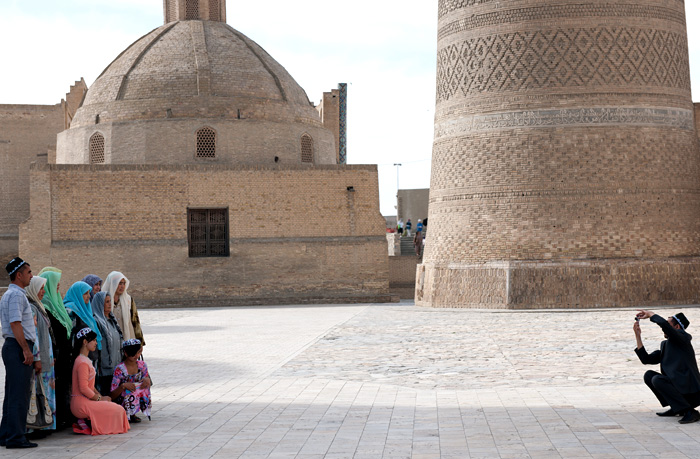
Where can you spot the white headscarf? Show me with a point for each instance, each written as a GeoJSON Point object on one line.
{"type": "Point", "coordinates": [121, 310]}
{"type": "Point", "coordinates": [33, 288]}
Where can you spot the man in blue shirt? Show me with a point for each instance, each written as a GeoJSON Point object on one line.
{"type": "Point", "coordinates": [19, 332]}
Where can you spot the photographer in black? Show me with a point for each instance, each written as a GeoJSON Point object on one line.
{"type": "Point", "coordinates": [678, 384]}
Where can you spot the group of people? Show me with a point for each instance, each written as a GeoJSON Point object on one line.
{"type": "Point", "coordinates": [70, 361]}
{"type": "Point", "coordinates": [418, 237]}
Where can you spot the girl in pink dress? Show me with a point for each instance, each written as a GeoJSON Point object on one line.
{"type": "Point", "coordinates": [86, 402]}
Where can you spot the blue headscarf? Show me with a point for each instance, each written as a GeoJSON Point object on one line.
{"type": "Point", "coordinates": [91, 280]}
{"type": "Point", "coordinates": [74, 301]}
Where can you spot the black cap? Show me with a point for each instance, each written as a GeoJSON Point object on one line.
{"type": "Point", "coordinates": [14, 265]}
{"type": "Point", "coordinates": [681, 319]}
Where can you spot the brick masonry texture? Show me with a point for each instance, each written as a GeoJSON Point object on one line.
{"type": "Point", "coordinates": [183, 76]}
{"type": "Point", "coordinates": [27, 132]}
{"type": "Point", "coordinates": [402, 275]}
{"type": "Point", "coordinates": [297, 234]}
{"type": "Point", "coordinates": [566, 159]}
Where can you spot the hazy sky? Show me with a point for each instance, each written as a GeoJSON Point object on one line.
{"type": "Point", "coordinates": [384, 49]}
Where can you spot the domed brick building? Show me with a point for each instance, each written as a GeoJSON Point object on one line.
{"type": "Point", "coordinates": [193, 90]}
{"type": "Point", "coordinates": [197, 166]}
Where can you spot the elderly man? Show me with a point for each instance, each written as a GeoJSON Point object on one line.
{"type": "Point", "coordinates": [19, 332]}
{"type": "Point", "coordinates": [678, 384]}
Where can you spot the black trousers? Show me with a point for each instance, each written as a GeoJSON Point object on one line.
{"type": "Point", "coordinates": [667, 393]}
{"type": "Point", "coordinates": [18, 377]}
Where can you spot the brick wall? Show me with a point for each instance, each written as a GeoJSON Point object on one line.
{"type": "Point", "coordinates": [413, 204]}
{"type": "Point", "coordinates": [296, 234]}
{"type": "Point", "coordinates": [402, 276]}
{"type": "Point", "coordinates": [27, 132]}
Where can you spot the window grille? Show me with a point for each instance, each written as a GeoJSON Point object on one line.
{"type": "Point", "coordinates": [206, 143]}
{"type": "Point", "coordinates": [97, 148]}
{"type": "Point", "coordinates": [207, 232]}
{"type": "Point", "coordinates": [191, 9]}
{"type": "Point", "coordinates": [307, 149]}
{"type": "Point", "coordinates": [214, 10]}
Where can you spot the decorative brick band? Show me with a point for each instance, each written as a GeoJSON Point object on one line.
{"type": "Point", "coordinates": [561, 58]}
{"type": "Point", "coordinates": [538, 195]}
{"type": "Point", "coordinates": [554, 12]}
{"type": "Point", "coordinates": [448, 6]}
{"type": "Point", "coordinates": [602, 116]}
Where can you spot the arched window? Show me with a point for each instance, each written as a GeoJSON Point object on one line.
{"type": "Point", "coordinates": [191, 9]}
{"type": "Point", "coordinates": [214, 10]}
{"type": "Point", "coordinates": [307, 149]}
{"type": "Point", "coordinates": [206, 143]}
{"type": "Point", "coordinates": [97, 148]}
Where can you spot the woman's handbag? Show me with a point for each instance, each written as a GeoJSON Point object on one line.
{"type": "Point", "coordinates": [39, 415]}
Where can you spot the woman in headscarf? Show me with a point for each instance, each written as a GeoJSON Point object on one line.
{"type": "Point", "coordinates": [77, 303]}
{"type": "Point", "coordinates": [61, 325]}
{"type": "Point", "coordinates": [45, 341]}
{"type": "Point", "coordinates": [124, 307]}
{"type": "Point", "coordinates": [110, 355]}
{"type": "Point", "coordinates": [95, 282]}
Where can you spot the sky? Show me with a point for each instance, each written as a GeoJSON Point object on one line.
{"type": "Point", "coordinates": [384, 49]}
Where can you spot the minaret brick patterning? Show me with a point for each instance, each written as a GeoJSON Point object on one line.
{"type": "Point", "coordinates": [566, 167]}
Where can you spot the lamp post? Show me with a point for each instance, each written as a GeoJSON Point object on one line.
{"type": "Point", "coordinates": [397, 190]}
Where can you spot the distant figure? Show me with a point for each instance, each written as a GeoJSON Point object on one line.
{"type": "Point", "coordinates": [418, 243]}
{"type": "Point", "coordinates": [678, 384]}
{"type": "Point", "coordinates": [399, 227]}
{"type": "Point", "coordinates": [408, 227]}
{"type": "Point", "coordinates": [419, 226]}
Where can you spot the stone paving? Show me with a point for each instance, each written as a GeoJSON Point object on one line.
{"type": "Point", "coordinates": [394, 381]}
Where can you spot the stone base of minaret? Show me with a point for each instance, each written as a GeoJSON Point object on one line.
{"type": "Point", "coordinates": [560, 284]}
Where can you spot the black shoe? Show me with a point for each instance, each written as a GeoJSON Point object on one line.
{"type": "Point", "coordinates": [26, 444]}
{"type": "Point", "coordinates": [135, 419]}
{"type": "Point", "coordinates": [667, 413]}
{"type": "Point", "coordinates": [690, 416]}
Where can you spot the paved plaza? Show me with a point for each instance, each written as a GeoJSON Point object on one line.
{"type": "Point", "coordinates": [394, 381]}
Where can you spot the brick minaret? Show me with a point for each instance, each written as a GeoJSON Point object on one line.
{"type": "Point", "coordinates": [183, 10]}
{"type": "Point", "coordinates": [566, 168]}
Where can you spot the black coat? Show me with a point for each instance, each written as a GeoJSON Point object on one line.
{"type": "Point", "coordinates": [676, 357]}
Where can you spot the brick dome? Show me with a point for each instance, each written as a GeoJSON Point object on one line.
{"type": "Point", "coordinates": [193, 74]}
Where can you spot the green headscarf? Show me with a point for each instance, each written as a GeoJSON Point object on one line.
{"type": "Point", "coordinates": [53, 301]}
